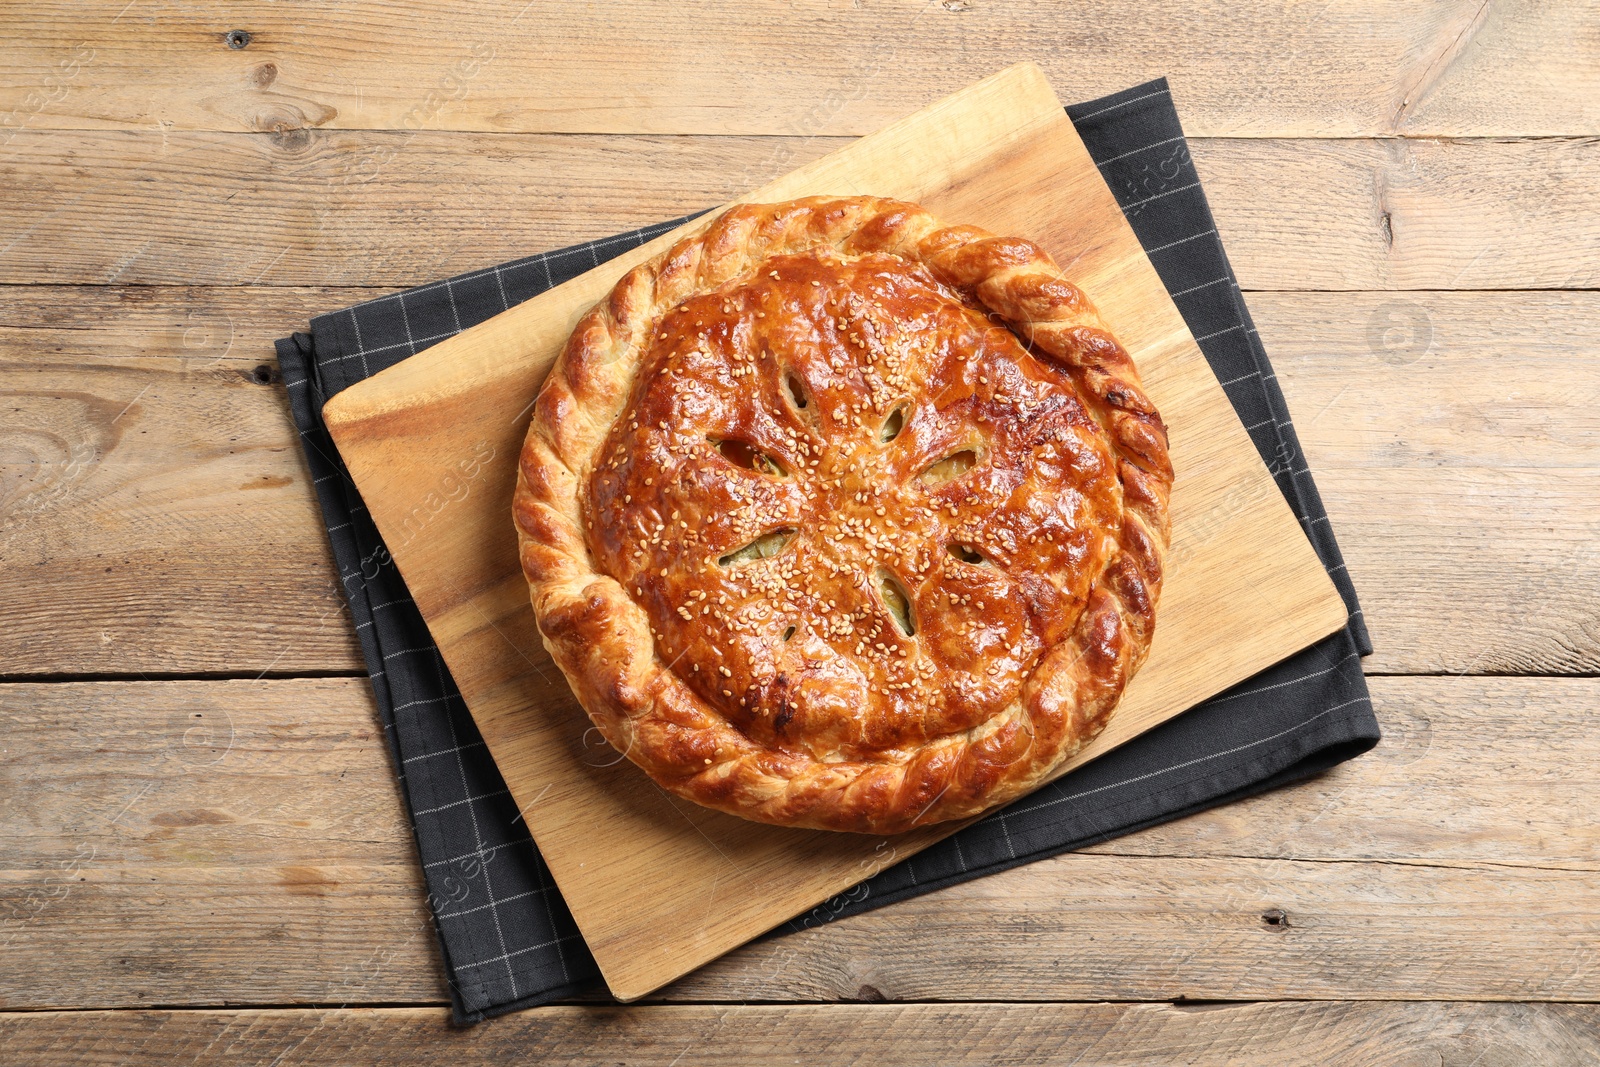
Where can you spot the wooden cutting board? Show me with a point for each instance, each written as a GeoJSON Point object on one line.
{"type": "Point", "coordinates": [660, 886]}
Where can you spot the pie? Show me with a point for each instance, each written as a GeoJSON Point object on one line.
{"type": "Point", "coordinates": [835, 516]}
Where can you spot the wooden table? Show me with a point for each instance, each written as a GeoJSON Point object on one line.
{"type": "Point", "coordinates": [202, 851]}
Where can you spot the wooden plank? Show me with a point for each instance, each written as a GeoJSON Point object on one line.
{"type": "Point", "coordinates": [1001, 155]}
{"type": "Point", "coordinates": [1447, 492]}
{"type": "Point", "coordinates": [211, 842]}
{"type": "Point", "coordinates": [1438, 379]}
{"type": "Point", "coordinates": [315, 207]}
{"type": "Point", "coordinates": [881, 1035]}
{"type": "Point", "coordinates": [1427, 582]}
{"type": "Point", "coordinates": [1392, 875]}
{"type": "Point", "coordinates": [1400, 214]}
{"type": "Point", "coordinates": [155, 513]}
{"type": "Point", "coordinates": [1438, 790]}
{"type": "Point", "coordinates": [1164, 928]}
{"type": "Point", "coordinates": [1482, 417]}
{"type": "Point", "coordinates": [1265, 68]}
{"type": "Point", "coordinates": [1436, 866]}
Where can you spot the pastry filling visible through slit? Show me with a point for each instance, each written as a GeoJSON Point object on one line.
{"type": "Point", "coordinates": [854, 507]}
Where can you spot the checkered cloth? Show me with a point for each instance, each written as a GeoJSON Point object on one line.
{"type": "Point", "coordinates": [508, 940]}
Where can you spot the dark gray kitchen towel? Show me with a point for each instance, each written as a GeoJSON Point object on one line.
{"type": "Point", "coordinates": [507, 938]}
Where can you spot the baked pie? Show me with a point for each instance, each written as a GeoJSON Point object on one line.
{"type": "Point", "coordinates": [835, 516]}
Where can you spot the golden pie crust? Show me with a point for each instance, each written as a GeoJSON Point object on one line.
{"type": "Point", "coordinates": [835, 516]}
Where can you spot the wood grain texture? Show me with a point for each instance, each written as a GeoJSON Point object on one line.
{"type": "Point", "coordinates": [1480, 420]}
{"type": "Point", "coordinates": [1461, 482]}
{"type": "Point", "coordinates": [1471, 773]}
{"type": "Point", "coordinates": [1447, 490]}
{"type": "Point", "coordinates": [1454, 860]}
{"type": "Point", "coordinates": [216, 839]}
{"type": "Point", "coordinates": [1375, 888]}
{"type": "Point", "coordinates": [1252, 69]}
{"type": "Point", "coordinates": [880, 1035]}
{"type": "Point", "coordinates": [1171, 927]}
{"type": "Point", "coordinates": [314, 207]}
{"type": "Point", "coordinates": [1000, 155]}
{"type": "Point", "coordinates": [1439, 379]}
{"type": "Point", "coordinates": [155, 511]}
